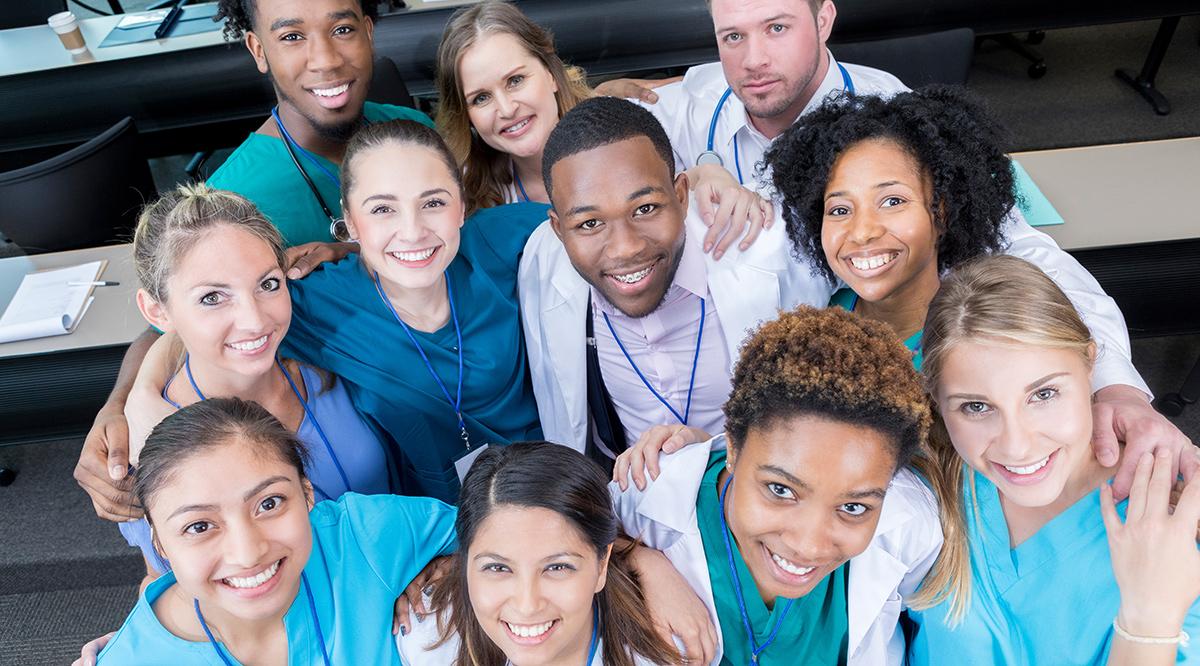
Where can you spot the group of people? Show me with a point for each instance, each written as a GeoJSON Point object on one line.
{"type": "Point", "coordinates": [854, 409]}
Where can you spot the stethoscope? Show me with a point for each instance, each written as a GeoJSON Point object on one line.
{"type": "Point", "coordinates": [709, 156]}
{"type": "Point", "coordinates": [337, 226]}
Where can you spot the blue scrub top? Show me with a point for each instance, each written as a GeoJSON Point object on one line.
{"type": "Point", "coordinates": [1050, 600]}
{"type": "Point", "coordinates": [359, 450]}
{"type": "Point", "coordinates": [340, 322]}
{"type": "Point", "coordinates": [847, 299]}
{"type": "Point", "coordinates": [366, 549]}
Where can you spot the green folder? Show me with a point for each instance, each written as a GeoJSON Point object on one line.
{"type": "Point", "coordinates": [1034, 205]}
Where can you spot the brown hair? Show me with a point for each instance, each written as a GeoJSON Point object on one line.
{"type": "Point", "coordinates": [560, 479]}
{"type": "Point", "coordinates": [486, 170]}
{"type": "Point", "coordinates": [403, 132]}
{"type": "Point", "coordinates": [1003, 300]}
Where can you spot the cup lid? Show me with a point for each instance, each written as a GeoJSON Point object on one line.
{"type": "Point", "coordinates": [61, 18]}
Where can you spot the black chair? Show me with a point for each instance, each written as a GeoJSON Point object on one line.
{"type": "Point", "coordinates": [22, 13]}
{"type": "Point", "coordinates": [87, 196]}
{"type": "Point", "coordinates": [936, 57]}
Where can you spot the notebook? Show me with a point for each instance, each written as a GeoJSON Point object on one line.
{"type": "Point", "coordinates": [45, 304]}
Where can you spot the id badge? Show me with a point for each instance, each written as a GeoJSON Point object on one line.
{"type": "Point", "coordinates": [463, 464]}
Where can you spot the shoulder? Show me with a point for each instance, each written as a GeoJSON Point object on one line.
{"type": "Point", "coordinates": [843, 298]}
{"type": "Point", "coordinates": [504, 230]}
{"type": "Point", "coordinates": [871, 81]}
{"type": "Point", "coordinates": [142, 634]}
{"type": "Point", "coordinates": [245, 164]}
{"type": "Point", "coordinates": [376, 112]}
{"type": "Point", "coordinates": [330, 280]}
{"type": "Point", "coordinates": [704, 82]}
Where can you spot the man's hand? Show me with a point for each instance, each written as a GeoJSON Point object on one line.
{"type": "Point", "coordinates": [1123, 415]}
{"type": "Point", "coordinates": [642, 458]}
{"type": "Point", "coordinates": [102, 470]}
{"type": "Point", "coordinates": [304, 259]}
{"type": "Point", "coordinates": [640, 89]}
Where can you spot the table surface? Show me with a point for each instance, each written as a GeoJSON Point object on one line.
{"type": "Point", "coordinates": [1120, 194]}
{"type": "Point", "coordinates": [113, 318]}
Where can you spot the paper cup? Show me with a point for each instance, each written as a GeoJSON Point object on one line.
{"type": "Point", "coordinates": [66, 26]}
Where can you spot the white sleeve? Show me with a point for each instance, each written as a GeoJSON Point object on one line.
{"type": "Point", "coordinates": [669, 110]}
{"type": "Point", "coordinates": [1098, 310]}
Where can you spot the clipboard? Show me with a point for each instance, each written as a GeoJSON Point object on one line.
{"type": "Point", "coordinates": [135, 28]}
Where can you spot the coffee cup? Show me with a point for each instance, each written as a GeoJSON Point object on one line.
{"type": "Point", "coordinates": [66, 26]}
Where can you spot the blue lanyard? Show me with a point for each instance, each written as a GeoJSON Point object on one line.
{"type": "Point", "coordinates": [687, 410]}
{"type": "Point", "coordinates": [312, 606]}
{"type": "Point", "coordinates": [595, 635]}
{"type": "Point", "coordinates": [755, 648]}
{"type": "Point", "coordinates": [187, 367]}
{"type": "Point", "coordinates": [847, 84]}
{"type": "Point", "coordinates": [337, 183]}
{"type": "Point", "coordinates": [517, 179]}
{"type": "Point", "coordinates": [456, 401]}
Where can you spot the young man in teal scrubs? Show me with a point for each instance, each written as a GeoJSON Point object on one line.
{"type": "Point", "coordinates": [318, 55]}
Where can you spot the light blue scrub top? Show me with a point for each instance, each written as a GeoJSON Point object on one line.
{"type": "Point", "coordinates": [366, 549]}
{"type": "Point", "coordinates": [357, 447]}
{"type": "Point", "coordinates": [1050, 600]}
{"type": "Point", "coordinates": [846, 299]}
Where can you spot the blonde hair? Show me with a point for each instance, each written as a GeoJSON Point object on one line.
{"type": "Point", "coordinates": [1006, 301]}
{"type": "Point", "coordinates": [487, 171]}
{"type": "Point", "coordinates": [170, 227]}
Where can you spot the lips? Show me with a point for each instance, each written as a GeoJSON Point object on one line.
{"type": "Point", "coordinates": [333, 95]}
{"type": "Point", "coordinates": [254, 584]}
{"type": "Point", "coordinates": [518, 128]}
{"type": "Point", "coordinates": [870, 264]}
{"type": "Point", "coordinates": [250, 346]}
{"type": "Point", "coordinates": [789, 572]}
{"type": "Point", "coordinates": [633, 279]}
{"type": "Point", "coordinates": [529, 634]}
{"type": "Point", "coordinates": [759, 87]}
{"type": "Point", "coordinates": [1026, 474]}
{"type": "Point", "coordinates": [414, 258]}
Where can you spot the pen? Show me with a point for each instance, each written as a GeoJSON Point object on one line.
{"type": "Point", "coordinates": [98, 283]}
{"type": "Point", "coordinates": [169, 22]}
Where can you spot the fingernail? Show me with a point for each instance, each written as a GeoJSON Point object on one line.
{"type": "Point", "coordinates": [718, 254]}
{"type": "Point", "coordinates": [743, 246]}
{"type": "Point", "coordinates": [708, 247]}
{"type": "Point", "coordinates": [116, 472]}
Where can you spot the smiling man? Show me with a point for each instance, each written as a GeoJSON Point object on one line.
{"type": "Point", "coordinates": [318, 54]}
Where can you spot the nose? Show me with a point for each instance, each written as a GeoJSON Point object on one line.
{"type": "Point", "coordinates": [624, 242]}
{"type": "Point", "coordinates": [528, 599]}
{"type": "Point", "coordinates": [811, 540]}
{"type": "Point", "coordinates": [506, 105]}
{"type": "Point", "coordinates": [244, 545]}
{"type": "Point", "coordinates": [249, 315]}
{"type": "Point", "coordinates": [1014, 442]}
{"type": "Point", "coordinates": [323, 54]}
{"type": "Point", "coordinates": [865, 226]}
{"type": "Point", "coordinates": [756, 56]}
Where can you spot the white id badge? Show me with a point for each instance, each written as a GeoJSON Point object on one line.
{"type": "Point", "coordinates": [463, 464]}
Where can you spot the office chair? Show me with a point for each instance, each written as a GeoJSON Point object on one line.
{"type": "Point", "coordinates": [87, 196]}
{"type": "Point", "coordinates": [936, 57]}
{"type": "Point", "coordinates": [1173, 404]}
{"type": "Point", "coordinates": [22, 13]}
{"type": "Point", "coordinates": [387, 87]}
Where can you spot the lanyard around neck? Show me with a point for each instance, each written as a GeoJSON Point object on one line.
{"type": "Point", "coordinates": [687, 410]}
{"type": "Point", "coordinates": [755, 648]}
{"type": "Point", "coordinates": [522, 196]}
{"type": "Point", "coordinates": [456, 401]}
{"type": "Point", "coordinates": [312, 607]}
{"type": "Point", "coordinates": [292, 144]}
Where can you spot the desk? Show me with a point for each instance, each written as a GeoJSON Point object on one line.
{"type": "Point", "coordinates": [1132, 220]}
{"type": "Point", "coordinates": [52, 387]}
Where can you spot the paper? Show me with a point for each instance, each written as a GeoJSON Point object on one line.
{"type": "Point", "coordinates": [46, 305]}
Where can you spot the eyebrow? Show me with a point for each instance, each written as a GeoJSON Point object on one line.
{"type": "Point", "coordinates": [589, 208]}
{"type": "Point", "coordinates": [773, 19]}
{"type": "Point", "coordinates": [245, 498]}
{"type": "Point", "coordinates": [880, 186]}
{"type": "Point", "coordinates": [512, 71]}
{"type": "Point", "coordinates": [332, 16]}
{"type": "Point", "coordinates": [791, 478]}
{"type": "Point", "coordinates": [223, 285]}
{"type": "Point", "coordinates": [876, 493]}
{"type": "Point", "coordinates": [1043, 380]}
{"type": "Point", "coordinates": [429, 193]}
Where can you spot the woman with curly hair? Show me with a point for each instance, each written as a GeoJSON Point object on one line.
{"type": "Point", "coordinates": [802, 527]}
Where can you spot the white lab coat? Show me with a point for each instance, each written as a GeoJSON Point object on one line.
{"type": "Point", "coordinates": [747, 288]}
{"type": "Point", "coordinates": [906, 544]}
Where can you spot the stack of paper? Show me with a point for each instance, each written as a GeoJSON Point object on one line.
{"type": "Point", "coordinates": [49, 302]}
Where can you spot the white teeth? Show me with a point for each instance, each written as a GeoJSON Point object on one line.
{"type": "Point", "coordinates": [1029, 469]}
{"type": "Point", "coordinates": [631, 278]}
{"type": "Point", "coordinates": [789, 567]}
{"type": "Point", "coordinates": [515, 128]}
{"type": "Point", "coordinates": [869, 263]}
{"type": "Point", "coordinates": [254, 581]}
{"type": "Point", "coordinates": [249, 346]}
{"type": "Point", "coordinates": [331, 92]}
{"type": "Point", "coordinates": [529, 630]}
{"type": "Point", "coordinates": [419, 255]}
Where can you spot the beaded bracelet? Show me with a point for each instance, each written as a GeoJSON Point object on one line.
{"type": "Point", "coordinates": [1181, 639]}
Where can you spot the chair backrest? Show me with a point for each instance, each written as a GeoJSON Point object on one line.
{"type": "Point", "coordinates": [936, 57]}
{"type": "Point", "coordinates": [22, 13]}
{"type": "Point", "coordinates": [387, 86]}
{"type": "Point", "coordinates": [87, 196]}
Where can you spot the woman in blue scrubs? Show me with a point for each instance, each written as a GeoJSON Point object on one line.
{"type": "Point", "coordinates": [257, 578]}
{"type": "Point", "coordinates": [1027, 575]}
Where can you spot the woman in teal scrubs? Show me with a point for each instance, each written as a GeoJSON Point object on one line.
{"type": "Point", "coordinates": [1027, 575]}
{"type": "Point", "coordinates": [886, 195]}
{"type": "Point", "coordinates": [257, 578]}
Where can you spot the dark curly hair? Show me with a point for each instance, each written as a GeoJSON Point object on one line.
{"type": "Point", "coordinates": [946, 130]}
{"type": "Point", "coordinates": [831, 364]}
{"type": "Point", "coordinates": [239, 15]}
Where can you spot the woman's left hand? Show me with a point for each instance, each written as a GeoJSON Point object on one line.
{"type": "Point", "coordinates": [728, 209]}
{"type": "Point", "coordinates": [675, 610]}
{"type": "Point", "coordinates": [413, 597]}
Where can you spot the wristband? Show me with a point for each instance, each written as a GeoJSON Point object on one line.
{"type": "Point", "coordinates": [1181, 639]}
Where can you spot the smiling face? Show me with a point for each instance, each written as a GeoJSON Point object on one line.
{"type": "Point", "coordinates": [621, 219]}
{"type": "Point", "coordinates": [773, 52]}
{"type": "Point", "coordinates": [319, 56]}
{"type": "Point", "coordinates": [1021, 416]}
{"type": "Point", "coordinates": [237, 540]}
{"type": "Point", "coordinates": [509, 95]}
{"type": "Point", "coordinates": [877, 232]}
{"type": "Point", "coordinates": [532, 577]}
{"type": "Point", "coordinates": [806, 497]}
{"type": "Point", "coordinates": [227, 301]}
{"type": "Point", "coordinates": [405, 209]}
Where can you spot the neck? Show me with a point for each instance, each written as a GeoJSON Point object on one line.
{"type": "Point", "coordinates": [239, 635]}
{"type": "Point", "coordinates": [423, 308]}
{"type": "Point", "coordinates": [307, 136]}
{"type": "Point", "coordinates": [777, 124]}
{"type": "Point", "coordinates": [264, 389]}
{"type": "Point", "coordinates": [529, 170]}
{"type": "Point", "coordinates": [905, 308]}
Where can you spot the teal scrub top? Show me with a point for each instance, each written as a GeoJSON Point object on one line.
{"type": "Point", "coordinates": [847, 300]}
{"type": "Point", "coordinates": [814, 632]}
{"type": "Point", "coordinates": [366, 549]}
{"type": "Point", "coordinates": [339, 322]}
{"type": "Point", "coordinates": [261, 170]}
{"type": "Point", "coordinates": [1050, 600]}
